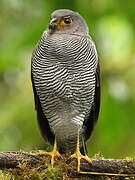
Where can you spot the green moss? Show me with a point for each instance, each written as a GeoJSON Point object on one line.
{"type": "Point", "coordinates": [40, 171]}
{"type": "Point", "coordinates": [98, 156]}
{"type": "Point", "coordinates": [44, 171]}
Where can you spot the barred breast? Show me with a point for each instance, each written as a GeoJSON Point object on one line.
{"type": "Point", "coordinates": [63, 68]}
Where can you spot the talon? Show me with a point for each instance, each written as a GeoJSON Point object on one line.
{"type": "Point", "coordinates": [79, 156]}
{"type": "Point", "coordinates": [53, 154]}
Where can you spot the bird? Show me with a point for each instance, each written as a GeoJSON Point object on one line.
{"type": "Point", "coordinates": [65, 74]}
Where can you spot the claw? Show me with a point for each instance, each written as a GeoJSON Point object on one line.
{"type": "Point", "coordinates": [79, 156]}
{"type": "Point", "coordinates": [53, 154]}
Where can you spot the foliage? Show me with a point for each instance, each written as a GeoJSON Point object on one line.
{"type": "Point", "coordinates": [112, 26]}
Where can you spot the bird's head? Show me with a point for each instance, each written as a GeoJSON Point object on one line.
{"type": "Point", "coordinates": [68, 22]}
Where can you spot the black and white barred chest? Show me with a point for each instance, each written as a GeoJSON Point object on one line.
{"type": "Point", "coordinates": [63, 68]}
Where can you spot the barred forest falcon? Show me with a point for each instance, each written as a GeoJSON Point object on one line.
{"type": "Point", "coordinates": [66, 84]}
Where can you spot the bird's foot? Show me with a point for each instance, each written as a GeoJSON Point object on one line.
{"type": "Point", "coordinates": [54, 154]}
{"type": "Point", "coordinates": [77, 155]}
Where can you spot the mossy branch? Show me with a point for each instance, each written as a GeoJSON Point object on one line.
{"type": "Point", "coordinates": [98, 167]}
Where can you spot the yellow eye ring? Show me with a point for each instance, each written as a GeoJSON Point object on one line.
{"type": "Point", "coordinates": [66, 21]}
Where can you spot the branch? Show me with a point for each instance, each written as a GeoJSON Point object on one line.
{"type": "Point", "coordinates": [107, 167]}
{"type": "Point", "coordinates": [13, 159]}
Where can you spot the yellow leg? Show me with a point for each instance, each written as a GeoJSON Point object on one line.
{"type": "Point", "coordinates": [53, 154]}
{"type": "Point", "coordinates": [78, 155]}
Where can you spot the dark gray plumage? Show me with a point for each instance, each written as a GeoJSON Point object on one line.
{"type": "Point", "coordinates": [65, 79]}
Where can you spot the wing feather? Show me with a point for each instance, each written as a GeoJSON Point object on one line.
{"type": "Point", "coordinates": [93, 117]}
{"type": "Point", "coordinates": [42, 120]}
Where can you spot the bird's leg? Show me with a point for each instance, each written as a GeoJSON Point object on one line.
{"type": "Point", "coordinates": [53, 154]}
{"type": "Point", "coordinates": [77, 154]}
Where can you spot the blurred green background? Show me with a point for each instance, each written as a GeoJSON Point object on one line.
{"type": "Point", "coordinates": [112, 26]}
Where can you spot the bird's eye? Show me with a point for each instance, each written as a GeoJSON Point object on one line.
{"type": "Point", "coordinates": [67, 20]}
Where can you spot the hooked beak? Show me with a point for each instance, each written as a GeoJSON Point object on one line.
{"type": "Point", "coordinates": [53, 23]}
